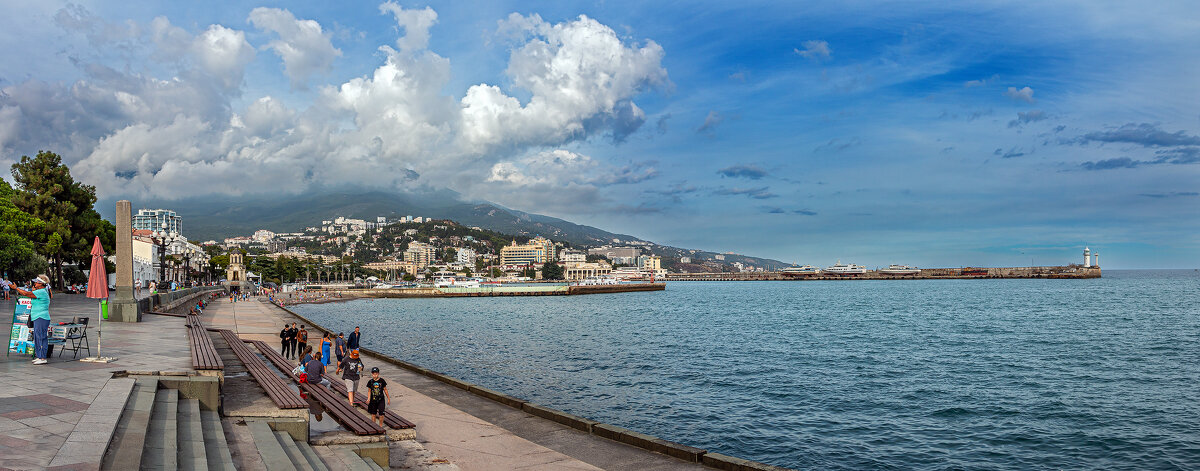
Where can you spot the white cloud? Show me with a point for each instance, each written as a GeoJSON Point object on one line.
{"type": "Point", "coordinates": [224, 53]}
{"type": "Point", "coordinates": [1024, 94]}
{"type": "Point", "coordinates": [710, 123]}
{"type": "Point", "coordinates": [814, 50]}
{"type": "Point", "coordinates": [416, 24]}
{"type": "Point", "coordinates": [303, 46]}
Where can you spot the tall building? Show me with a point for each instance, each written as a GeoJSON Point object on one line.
{"type": "Point", "coordinates": [650, 263]}
{"type": "Point", "coordinates": [538, 250]}
{"type": "Point", "coordinates": [158, 220]}
{"type": "Point", "coordinates": [466, 256]}
{"type": "Point", "coordinates": [420, 254]}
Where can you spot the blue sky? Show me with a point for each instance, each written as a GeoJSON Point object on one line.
{"type": "Point", "coordinates": [926, 133]}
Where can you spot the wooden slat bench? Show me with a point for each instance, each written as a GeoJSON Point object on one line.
{"type": "Point", "coordinates": [390, 418]}
{"type": "Point", "coordinates": [283, 396]}
{"type": "Point", "coordinates": [204, 353]}
{"type": "Point", "coordinates": [344, 413]}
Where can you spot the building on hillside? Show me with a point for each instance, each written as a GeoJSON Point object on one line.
{"type": "Point", "coordinates": [262, 236]}
{"type": "Point", "coordinates": [420, 254]}
{"type": "Point", "coordinates": [650, 263]}
{"type": "Point", "coordinates": [568, 257]}
{"type": "Point", "coordinates": [466, 256]}
{"type": "Point", "coordinates": [621, 255]}
{"type": "Point", "coordinates": [158, 221]}
{"type": "Point", "coordinates": [685, 259]}
{"type": "Point", "coordinates": [537, 251]}
{"type": "Point", "coordinates": [580, 271]}
{"type": "Point", "coordinates": [276, 245]}
{"type": "Point", "coordinates": [388, 265]}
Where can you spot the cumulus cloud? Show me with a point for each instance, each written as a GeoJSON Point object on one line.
{"type": "Point", "coordinates": [710, 123]}
{"type": "Point", "coordinates": [1027, 117]}
{"type": "Point", "coordinates": [743, 171]}
{"type": "Point", "coordinates": [415, 23]}
{"type": "Point", "coordinates": [814, 49]}
{"type": "Point", "coordinates": [134, 134]}
{"type": "Point", "coordinates": [1024, 94]}
{"type": "Point", "coordinates": [1181, 156]}
{"type": "Point", "coordinates": [303, 45]}
{"type": "Point", "coordinates": [1144, 134]}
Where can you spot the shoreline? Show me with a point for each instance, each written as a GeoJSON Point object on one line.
{"type": "Point", "coordinates": [599, 429]}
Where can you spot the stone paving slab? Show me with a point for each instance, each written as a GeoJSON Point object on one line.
{"type": "Point", "coordinates": [63, 414]}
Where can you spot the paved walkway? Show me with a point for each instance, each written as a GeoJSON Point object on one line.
{"type": "Point", "coordinates": [56, 416]}
{"type": "Point", "coordinates": [472, 432]}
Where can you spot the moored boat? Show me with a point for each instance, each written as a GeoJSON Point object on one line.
{"type": "Point", "coordinates": [840, 268]}
{"type": "Point", "coordinates": [899, 270]}
{"type": "Point", "coordinates": [803, 270]}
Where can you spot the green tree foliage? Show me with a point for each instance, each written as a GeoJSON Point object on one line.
{"type": "Point", "coordinates": [552, 271]}
{"type": "Point", "coordinates": [19, 236]}
{"type": "Point", "coordinates": [48, 192]}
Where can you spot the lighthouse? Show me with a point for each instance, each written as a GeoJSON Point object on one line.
{"type": "Point", "coordinates": [1087, 257]}
{"type": "Point", "coordinates": [1096, 259]}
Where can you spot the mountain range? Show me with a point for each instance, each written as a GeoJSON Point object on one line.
{"type": "Point", "coordinates": [217, 217]}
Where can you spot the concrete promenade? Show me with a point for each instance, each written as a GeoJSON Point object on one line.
{"type": "Point", "coordinates": [466, 430]}
{"type": "Point", "coordinates": [55, 416]}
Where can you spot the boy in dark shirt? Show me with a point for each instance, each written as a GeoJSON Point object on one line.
{"type": "Point", "coordinates": [292, 332]}
{"type": "Point", "coordinates": [378, 396]}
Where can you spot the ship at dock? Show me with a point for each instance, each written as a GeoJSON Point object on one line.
{"type": "Point", "coordinates": [840, 268]}
{"type": "Point", "coordinates": [803, 270]}
{"type": "Point", "coordinates": [899, 270]}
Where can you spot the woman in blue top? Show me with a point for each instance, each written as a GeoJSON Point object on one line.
{"type": "Point", "coordinates": [40, 314]}
{"type": "Point", "coordinates": [326, 342]}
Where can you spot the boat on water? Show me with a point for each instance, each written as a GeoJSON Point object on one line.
{"type": "Point", "coordinates": [899, 270]}
{"type": "Point", "coordinates": [803, 270]}
{"type": "Point", "coordinates": [840, 268]}
{"type": "Point", "coordinates": [599, 280]}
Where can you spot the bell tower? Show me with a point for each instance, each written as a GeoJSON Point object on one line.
{"type": "Point", "coordinates": [236, 273]}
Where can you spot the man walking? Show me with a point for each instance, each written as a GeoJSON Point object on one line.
{"type": "Point", "coordinates": [302, 337]}
{"type": "Point", "coordinates": [283, 341]}
{"type": "Point", "coordinates": [351, 368]}
{"type": "Point", "coordinates": [339, 347]}
{"type": "Point", "coordinates": [352, 342]}
{"type": "Point", "coordinates": [292, 332]}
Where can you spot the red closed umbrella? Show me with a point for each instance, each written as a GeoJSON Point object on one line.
{"type": "Point", "coordinates": [98, 289]}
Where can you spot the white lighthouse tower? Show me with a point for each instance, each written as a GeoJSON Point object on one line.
{"type": "Point", "coordinates": [1087, 257]}
{"type": "Point", "coordinates": [1096, 259]}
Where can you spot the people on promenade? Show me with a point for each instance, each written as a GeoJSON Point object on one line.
{"type": "Point", "coordinates": [40, 315]}
{"type": "Point", "coordinates": [7, 286]}
{"type": "Point", "coordinates": [377, 396]}
{"type": "Point", "coordinates": [352, 342]}
{"type": "Point", "coordinates": [339, 347]}
{"type": "Point", "coordinates": [283, 341]}
{"type": "Point", "coordinates": [315, 369]}
{"type": "Point", "coordinates": [302, 339]}
{"type": "Point", "coordinates": [351, 369]}
{"type": "Point", "coordinates": [326, 345]}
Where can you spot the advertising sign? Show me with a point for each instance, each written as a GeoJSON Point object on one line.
{"type": "Point", "coordinates": [19, 340]}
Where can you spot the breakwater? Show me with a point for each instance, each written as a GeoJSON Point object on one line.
{"type": "Point", "coordinates": [964, 273]}
{"type": "Point", "coordinates": [532, 289]}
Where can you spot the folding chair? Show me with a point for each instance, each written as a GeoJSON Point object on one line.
{"type": "Point", "coordinates": [78, 338]}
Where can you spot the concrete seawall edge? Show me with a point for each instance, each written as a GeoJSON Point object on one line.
{"type": "Point", "coordinates": [599, 429]}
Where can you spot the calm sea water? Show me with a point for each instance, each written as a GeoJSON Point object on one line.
{"type": "Point", "coordinates": [938, 374]}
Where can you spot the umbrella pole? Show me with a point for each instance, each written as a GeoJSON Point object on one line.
{"type": "Point", "coordinates": [99, 333]}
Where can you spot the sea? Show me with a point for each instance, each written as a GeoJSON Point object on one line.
{"type": "Point", "coordinates": [900, 374]}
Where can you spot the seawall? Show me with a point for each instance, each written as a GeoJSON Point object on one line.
{"type": "Point", "coordinates": [965, 273]}
{"type": "Point", "coordinates": [597, 429]}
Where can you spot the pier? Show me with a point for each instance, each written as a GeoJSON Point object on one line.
{"type": "Point", "coordinates": [965, 273]}
{"type": "Point", "coordinates": [531, 289]}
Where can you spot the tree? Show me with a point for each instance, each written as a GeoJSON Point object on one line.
{"type": "Point", "coordinates": [552, 271]}
{"type": "Point", "coordinates": [19, 236]}
{"type": "Point", "coordinates": [48, 192]}
{"type": "Point", "coordinates": [449, 255]}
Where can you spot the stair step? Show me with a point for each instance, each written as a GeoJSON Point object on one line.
{"type": "Point", "coordinates": [289, 447]}
{"type": "Point", "coordinates": [216, 449]}
{"type": "Point", "coordinates": [314, 461]}
{"type": "Point", "coordinates": [192, 456]}
{"type": "Point", "coordinates": [273, 455]}
{"type": "Point", "coordinates": [129, 439]}
{"type": "Point", "coordinates": [353, 461]}
{"type": "Point", "coordinates": [162, 437]}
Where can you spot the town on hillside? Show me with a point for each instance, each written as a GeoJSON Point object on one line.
{"type": "Point", "coordinates": [403, 249]}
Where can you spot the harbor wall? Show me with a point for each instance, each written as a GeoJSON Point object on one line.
{"type": "Point", "coordinates": [488, 291]}
{"type": "Point", "coordinates": [964, 273]}
{"type": "Point", "coordinates": [599, 429]}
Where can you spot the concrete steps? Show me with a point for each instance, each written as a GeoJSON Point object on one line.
{"type": "Point", "coordinates": [279, 451]}
{"type": "Point", "coordinates": [160, 430]}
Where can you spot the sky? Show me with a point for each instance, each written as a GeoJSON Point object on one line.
{"type": "Point", "coordinates": [923, 133]}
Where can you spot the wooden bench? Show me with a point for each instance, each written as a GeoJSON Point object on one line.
{"type": "Point", "coordinates": [284, 396]}
{"type": "Point", "coordinates": [390, 418]}
{"type": "Point", "coordinates": [204, 353]}
{"type": "Point", "coordinates": [344, 413]}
